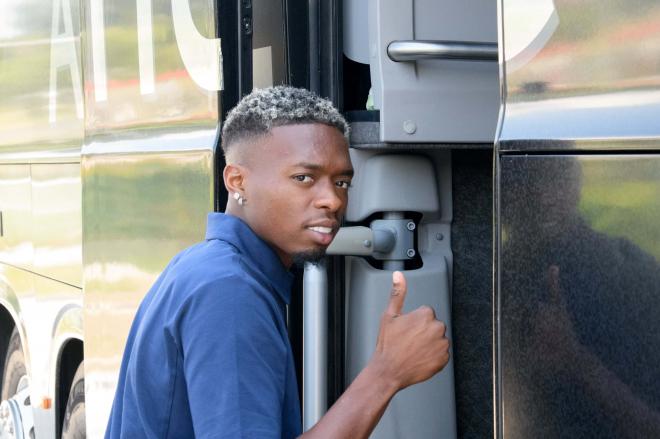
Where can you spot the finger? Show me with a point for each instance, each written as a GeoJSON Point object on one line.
{"type": "Point", "coordinates": [556, 297]}
{"type": "Point", "coordinates": [398, 294]}
{"type": "Point", "coordinates": [426, 311]}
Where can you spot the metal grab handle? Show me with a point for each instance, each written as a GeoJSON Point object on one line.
{"type": "Point", "coordinates": [414, 50]}
{"type": "Point", "coordinates": [356, 240]}
{"type": "Point", "coordinates": [362, 241]}
{"type": "Point", "coordinates": [315, 344]}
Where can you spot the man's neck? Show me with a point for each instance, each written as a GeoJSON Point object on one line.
{"type": "Point", "coordinates": [233, 210]}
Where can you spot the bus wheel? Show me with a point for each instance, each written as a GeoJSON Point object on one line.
{"type": "Point", "coordinates": [14, 367]}
{"type": "Point", "coordinates": [73, 426]}
{"type": "Point", "coordinates": [16, 419]}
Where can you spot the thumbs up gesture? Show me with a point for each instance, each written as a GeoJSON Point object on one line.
{"type": "Point", "coordinates": [411, 347]}
{"type": "Point", "coordinates": [553, 337]}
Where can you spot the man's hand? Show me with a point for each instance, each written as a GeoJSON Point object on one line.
{"type": "Point", "coordinates": [411, 347]}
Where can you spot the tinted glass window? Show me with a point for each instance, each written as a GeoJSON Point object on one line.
{"type": "Point", "coordinates": [580, 296]}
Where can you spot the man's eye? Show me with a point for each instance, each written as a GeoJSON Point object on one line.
{"type": "Point", "coordinates": [343, 184]}
{"type": "Point", "coordinates": [303, 178]}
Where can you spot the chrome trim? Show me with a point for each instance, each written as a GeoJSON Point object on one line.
{"type": "Point", "coordinates": [68, 155]}
{"type": "Point", "coordinates": [604, 144]}
{"type": "Point", "coordinates": [415, 50]}
{"type": "Point", "coordinates": [315, 343]}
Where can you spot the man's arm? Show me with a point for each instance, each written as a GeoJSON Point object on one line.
{"type": "Point", "coordinates": [411, 348]}
{"type": "Point", "coordinates": [234, 361]}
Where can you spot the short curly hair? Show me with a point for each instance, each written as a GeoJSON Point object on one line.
{"type": "Point", "coordinates": [263, 109]}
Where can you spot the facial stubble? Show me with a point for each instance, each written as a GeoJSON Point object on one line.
{"type": "Point", "coordinates": [313, 256]}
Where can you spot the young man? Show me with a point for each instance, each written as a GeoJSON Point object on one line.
{"type": "Point", "coordinates": [208, 354]}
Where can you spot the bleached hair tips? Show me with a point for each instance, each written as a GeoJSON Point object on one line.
{"type": "Point", "coordinates": [263, 109]}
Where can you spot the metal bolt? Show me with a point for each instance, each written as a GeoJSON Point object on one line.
{"type": "Point", "coordinates": [247, 26]}
{"type": "Point", "coordinates": [410, 226]}
{"type": "Point", "coordinates": [409, 127]}
{"type": "Point", "coordinates": [410, 252]}
{"type": "Point", "coordinates": [366, 243]}
{"type": "Point", "coordinates": [439, 236]}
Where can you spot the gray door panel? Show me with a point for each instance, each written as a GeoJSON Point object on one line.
{"type": "Point", "coordinates": [433, 100]}
{"type": "Point", "coordinates": [405, 184]}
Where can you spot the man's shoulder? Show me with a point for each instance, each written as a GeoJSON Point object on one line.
{"type": "Point", "coordinates": [213, 266]}
{"type": "Point", "coordinates": [212, 257]}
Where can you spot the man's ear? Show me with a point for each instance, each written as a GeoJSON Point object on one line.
{"type": "Point", "coordinates": [234, 176]}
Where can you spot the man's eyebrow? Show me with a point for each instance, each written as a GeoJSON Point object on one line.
{"type": "Point", "coordinates": [315, 167]}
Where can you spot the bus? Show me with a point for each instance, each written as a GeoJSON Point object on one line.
{"type": "Point", "coordinates": [507, 150]}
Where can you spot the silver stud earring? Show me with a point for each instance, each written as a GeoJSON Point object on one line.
{"type": "Point", "coordinates": [239, 198]}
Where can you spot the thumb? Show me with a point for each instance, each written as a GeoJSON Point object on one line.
{"type": "Point", "coordinates": [398, 294]}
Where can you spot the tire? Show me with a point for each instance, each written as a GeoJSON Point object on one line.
{"type": "Point", "coordinates": [14, 366]}
{"type": "Point", "coordinates": [73, 426]}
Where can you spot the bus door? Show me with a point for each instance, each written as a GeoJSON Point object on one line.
{"type": "Point", "coordinates": [432, 87]}
{"type": "Point", "coordinates": [577, 235]}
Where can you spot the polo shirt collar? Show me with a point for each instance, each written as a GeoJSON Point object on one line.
{"type": "Point", "coordinates": [236, 232]}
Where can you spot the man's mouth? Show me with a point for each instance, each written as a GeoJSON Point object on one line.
{"type": "Point", "coordinates": [320, 229]}
{"type": "Point", "coordinates": [323, 234]}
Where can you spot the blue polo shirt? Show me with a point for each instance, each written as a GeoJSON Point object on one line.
{"type": "Point", "coordinates": [208, 354]}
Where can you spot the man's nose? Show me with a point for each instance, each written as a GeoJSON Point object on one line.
{"type": "Point", "coordinates": [328, 198]}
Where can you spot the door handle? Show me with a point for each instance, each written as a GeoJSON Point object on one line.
{"type": "Point", "coordinates": [386, 239]}
{"type": "Point", "coordinates": [415, 50]}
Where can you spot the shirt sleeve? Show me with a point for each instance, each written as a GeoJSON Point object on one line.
{"type": "Point", "coordinates": [234, 361]}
